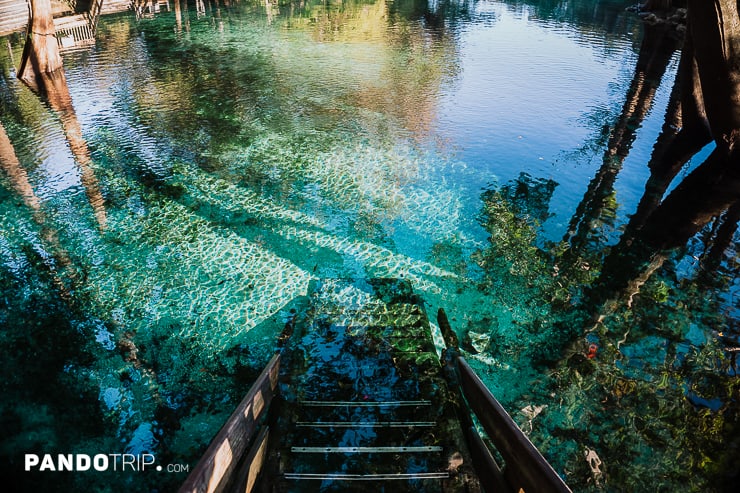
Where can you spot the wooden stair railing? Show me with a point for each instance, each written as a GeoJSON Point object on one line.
{"type": "Point", "coordinates": [243, 435]}
{"type": "Point", "coordinates": [525, 469]}
{"type": "Point", "coordinates": [235, 456]}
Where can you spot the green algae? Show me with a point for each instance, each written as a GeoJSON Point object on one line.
{"type": "Point", "coordinates": [215, 228]}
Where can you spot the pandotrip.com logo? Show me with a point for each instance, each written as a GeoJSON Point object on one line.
{"type": "Point", "coordinates": [98, 462]}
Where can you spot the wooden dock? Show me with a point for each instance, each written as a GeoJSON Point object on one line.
{"type": "Point", "coordinates": [357, 400]}
{"type": "Point", "coordinates": [74, 31]}
{"type": "Point", "coordinates": [13, 16]}
{"type": "Point", "coordinates": [69, 25]}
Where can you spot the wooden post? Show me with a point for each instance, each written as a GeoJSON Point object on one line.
{"type": "Point", "coordinates": [178, 16]}
{"type": "Point", "coordinates": [41, 52]}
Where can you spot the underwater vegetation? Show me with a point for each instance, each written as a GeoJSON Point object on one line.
{"type": "Point", "coordinates": [640, 392]}
{"type": "Point", "coordinates": [237, 167]}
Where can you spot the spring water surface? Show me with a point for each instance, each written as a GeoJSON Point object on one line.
{"type": "Point", "coordinates": [231, 152]}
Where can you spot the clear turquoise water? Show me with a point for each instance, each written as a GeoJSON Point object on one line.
{"type": "Point", "coordinates": [248, 149]}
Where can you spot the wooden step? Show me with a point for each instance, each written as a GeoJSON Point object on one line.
{"type": "Point", "coordinates": [367, 477]}
{"type": "Point", "coordinates": [352, 328]}
{"type": "Point", "coordinates": [369, 434]}
{"type": "Point", "coordinates": [364, 413]}
{"type": "Point", "coordinates": [386, 460]}
{"type": "Point", "coordinates": [370, 389]}
{"type": "Point", "coordinates": [365, 406]}
{"type": "Point", "coordinates": [365, 424]}
{"type": "Point", "coordinates": [340, 482]}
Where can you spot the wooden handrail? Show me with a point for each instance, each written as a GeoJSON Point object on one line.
{"type": "Point", "coordinates": [94, 14]}
{"type": "Point", "coordinates": [524, 463]}
{"type": "Point", "coordinates": [213, 471]}
{"type": "Point", "coordinates": [525, 468]}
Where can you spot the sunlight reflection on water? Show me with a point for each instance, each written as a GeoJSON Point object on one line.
{"type": "Point", "coordinates": [243, 158]}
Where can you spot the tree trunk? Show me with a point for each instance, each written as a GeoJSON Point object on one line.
{"type": "Point", "coordinates": [178, 16]}
{"type": "Point", "coordinates": [714, 28]}
{"type": "Point", "coordinates": [705, 194]}
{"type": "Point", "coordinates": [710, 104]}
{"type": "Point", "coordinates": [658, 45]}
{"type": "Point", "coordinates": [674, 149]}
{"type": "Point", "coordinates": [722, 238]}
{"type": "Point", "coordinates": [41, 52]}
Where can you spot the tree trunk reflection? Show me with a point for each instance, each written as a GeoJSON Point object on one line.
{"type": "Point", "coordinates": [53, 86]}
{"type": "Point", "coordinates": [656, 50]}
{"type": "Point", "coordinates": [16, 173]}
{"type": "Point", "coordinates": [710, 99]}
{"type": "Point", "coordinates": [60, 259]}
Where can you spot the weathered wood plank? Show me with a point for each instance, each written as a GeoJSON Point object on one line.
{"type": "Point", "coordinates": [252, 464]}
{"type": "Point", "coordinates": [215, 468]}
{"type": "Point", "coordinates": [489, 472]}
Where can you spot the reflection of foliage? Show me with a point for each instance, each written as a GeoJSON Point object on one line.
{"type": "Point", "coordinates": [654, 400]}
{"type": "Point", "coordinates": [54, 412]}
{"type": "Point", "coordinates": [215, 101]}
{"type": "Point", "coordinates": [644, 420]}
{"type": "Point", "coordinates": [530, 197]}
{"type": "Point", "coordinates": [519, 275]}
{"type": "Point", "coordinates": [659, 411]}
{"type": "Point", "coordinates": [512, 239]}
{"type": "Point", "coordinates": [594, 145]}
{"type": "Point", "coordinates": [605, 18]}
{"type": "Point", "coordinates": [512, 215]}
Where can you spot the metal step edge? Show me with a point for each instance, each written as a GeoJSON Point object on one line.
{"type": "Point", "coordinates": [366, 450]}
{"type": "Point", "coordinates": [364, 403]}
{"type": "Point", "coordinates": [366, 424]}
{"type": "Point", "coordinates": [366, 477]}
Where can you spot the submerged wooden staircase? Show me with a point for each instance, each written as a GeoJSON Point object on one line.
{"type": "Point", "coordinates": [364, 400]}
{"type": "Point", "coordinates": [356, 400]}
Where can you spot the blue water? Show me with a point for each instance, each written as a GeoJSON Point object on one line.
{"type": "Point", "coordinates": [249, 148]}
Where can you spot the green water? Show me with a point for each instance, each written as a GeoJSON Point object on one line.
{"type": "Point", "coordinates": [245, 150]}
